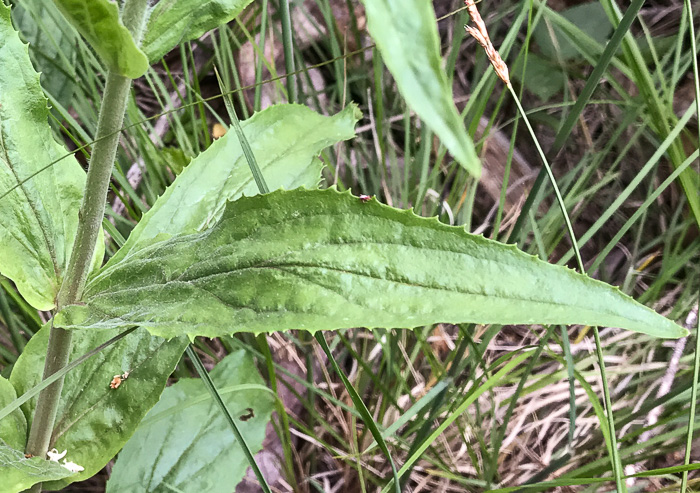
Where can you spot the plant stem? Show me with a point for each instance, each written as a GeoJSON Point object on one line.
{"type": "Point", "coordinates": [92, 209]}
{"type": "Point", "coordinates": [288, 42]}
{"type": "Point", "coordinates": [696, 355]}
{"type": "Point", "coordinates": [259, 65]}
{"type": "Point", "coordinates": [90, 218]}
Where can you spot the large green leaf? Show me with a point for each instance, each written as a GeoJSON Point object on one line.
{"type": "Point", "coordinates": [98, 21]}
{"type": "Point", "coordinates": [286, 140]}
{"type": "Point", "coordinates": [39, 217]}
{"type": "Point", "coordinates": [175, 21]}
{"type": "Point", "coordinates": [52, 45]}
{"type": "Point", "coordinates": [13, 428]}
{"type": "Point", "coordinates": [94, 421]}
{"type": "Point", "coordinates": [407, 37]}
{"type": "Point", "coordinates": [185, 443]}
{"type": "Point", "coordinates": [312, 259]}
{"type": "Point", "coordinates": [17, 472]}
{"type": "Point", "coordinates": [196, 197]}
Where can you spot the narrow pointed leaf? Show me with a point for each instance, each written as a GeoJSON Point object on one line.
{"type": "Point", "coordinates": [98, 21]}
{"type": "Point", "coordinates": [13, 428]}
{"type": "Point", "coordinates": [286, 140]}
{"type": "Point", "coordinates": [38, 214]}
{"type": "Point", "coordinates": [176, 21]}
{"type": "Point", "coordinates": [407, 37]}
{"type": "Point", "coordinates": [17, 472]}
{"type": "Point", "coordinates": [311, 259]}
{"type": "Point", "coordinates": [185, 443]}
{"type": "Point", "coordinates": [94, 421]}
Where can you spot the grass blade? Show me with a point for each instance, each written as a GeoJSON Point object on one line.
{"type": "Point", "coordinates": [364, 412]}
{"type": "Point", "coordinates": [199, 366]}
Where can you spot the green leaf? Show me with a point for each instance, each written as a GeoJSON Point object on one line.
{"type": "Point", "coordinates": [312, 259]}
{"type": "Point", "coordinates": [543, 78]}
{"type": "Point", "coordinates": [13, 428]}
{"type": "Point", "coordinates": [38, 214]}
{"type": "Point", "coordinates": [589, 17]}
{"type": "Point", "coordinates": [197, 196]}
{"type": "Point", "coordinates": [185, 444]}
{"type": "Point", "coordinates": [94, 421]}
{"type": "Point", "coordinates": [19, 473]}
{"type": "Point", "coordinates": [407, 37]}
{"type": "Point", "coordinates": [176, 21]}
{"type": "Point", "coordinates": [52, 44]}
{"type": "Point", "coordinates": [99, 23]}
{"type": "Point", "coordinates": [286, 140]}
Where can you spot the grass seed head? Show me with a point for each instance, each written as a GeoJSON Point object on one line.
{"type": "Point", "coordinates": [481, 34]}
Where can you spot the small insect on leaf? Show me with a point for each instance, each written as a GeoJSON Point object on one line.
{"type": "Point", "coordinates": [248, 414]}
{"type": "Point", "coordinates": [365, 198]}
{"type": "Point", "coordinates": [118, 379]}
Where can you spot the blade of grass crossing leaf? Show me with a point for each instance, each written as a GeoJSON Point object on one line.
{"type": "Point", "coordinates": [204, 375]}
{"type": "Point", "coordinates": [696, 356]}
{"type": "Point", "coordinates": [4, 412]}
{"type": "Point", "coordinates": [245, 145]}
{"type": "Point", "coordinates": [364, 412]}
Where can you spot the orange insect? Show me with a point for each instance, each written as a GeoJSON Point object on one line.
{"type": "Point", "coordinates": [118, 379]}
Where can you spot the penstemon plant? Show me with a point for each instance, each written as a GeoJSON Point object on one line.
{"type": "Point", "coordinates": [213, 257]}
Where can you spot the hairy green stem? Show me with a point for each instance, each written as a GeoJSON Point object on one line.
{"type": "Point", "coordinates": [91, 214]}
{"type": "Point", "coordinates": [99, 174]}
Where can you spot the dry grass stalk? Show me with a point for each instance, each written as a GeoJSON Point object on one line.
{"type": "Point", "coordinates": [481, 34]}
